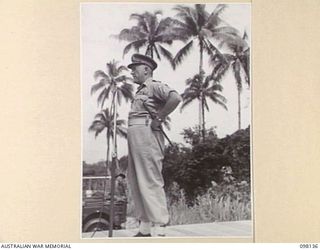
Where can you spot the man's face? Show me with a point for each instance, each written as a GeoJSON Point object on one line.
{"type": "Point", "coordinates": [138, 73]}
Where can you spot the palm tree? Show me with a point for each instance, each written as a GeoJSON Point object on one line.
{"type": "Point", "coordinates": [203, 88]}
{"type": "Point", "coordinates": [110, 81]}
{"type": "Point", "coordinates": [239, 61]}
{"type": "Point", "coordinates": [197, 24]}
{"type": "Point", "coordinates": [104, 121]}
{"type": "Point", "coordinates": [150, 32]}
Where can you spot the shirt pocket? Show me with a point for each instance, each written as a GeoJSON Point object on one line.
{"type": "Point", "coordinates": [137, 104]}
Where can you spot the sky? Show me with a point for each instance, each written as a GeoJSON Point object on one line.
{"type": "Point", "coordinates": [99, 21]}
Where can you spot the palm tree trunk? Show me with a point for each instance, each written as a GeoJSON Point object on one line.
{"type": "Point", "coordinates": [149, 51]}
{"type": "Point", "coordinates": [200, 115]}
{"type": "Point", "coordinates": [114, 163]}
{"type": "Point", "coordinates": [203, 120]}
{"type": "Point", "coordinates": [201, 57]}
{"type": "Point", "coordinates": [239, 108]}
{"type": "Point", "coordinates": [108, 152]}
{"type": "Point", "coordinates": [201, 95]}
{"type": "Point", "coordinates": [110, 131]}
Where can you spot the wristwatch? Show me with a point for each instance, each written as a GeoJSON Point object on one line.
{"type": "Point", "coordinates": [158, 119]}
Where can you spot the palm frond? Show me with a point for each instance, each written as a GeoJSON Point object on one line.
{"type": "Point", "coordinates": [104, 120]}
{"type": "Point", "coordinates": [212, 51]}
{"type": "Point", "coordinates": [96, 123]}
{"type": "Point", "coordinates": [120, 122]}
{"type": "Point", "coordinates": [230, 37]}
{"type": "Point", "coordinates": [136, 45]}
{"type": "Point", "coordinates": [103, 96]}
{"type": "Point", "coordinates": [121, 69]}
{"type": "Point", "coordinates": [226, 30]}
{"type": "Point", "coordinates": [221, 103]}
{"type": "Point", "coordinates": [201, 89]}
{"type": "Point", "coordinates": [157, 52]}
{"type": "Point", "coordinates": [217, 60]}
{"type": "Point", "coordinates": [99, 73]}
{"type": "Point", "coordinates": [97, 129]}
{"type": "Point", "coordinates": [148, 51]}
{"type": "Point", "coordinates": [191, 93]}
{"type": "Point", "coordinates": [121, 78]}
{"type": "Point", "coordinates": [101, 84]}
{"type": "Point", "coordinates": [186, 103]}
{"type": "Point", "coordinates": [140, 18]}
{"type": "Point", "coordinates": [219, 70]}
{"type": "Point", "coordinates": [127, 91]}
{"type": "Point", "coordinates": [214, 19]}
{"type": "Point", "coordinates": [119, 97]}
{"type": "Point", "coordinates": [100, 117]}
{"type": "Point", "coordinates": [182, 10]}
{"type": "Point", "coordinates": [219, 97]}
{"type": "Point", "coordinates": [206, 82]}
{"type": "Point", "coordinates": [215, 87]}
{"type": "Point", "coordinates": [206, 104]}
{"type": "Point", "coordinates": [194, 89]}
{"type": "Point", "coordinates": [245, 61]}
{"type": "Point", "coordinates": [202, 14]}
{"type": "Point", "coordinates": [188, 15]}
{"type": "Point", "coordinates": [163, 25]}
{"type": "Point", "coordinates": [179, 30]}
{"type": "Point", "coordinates": [219, 9]}
{"type": "Point", "coordinates": [133, 34]}
{"type": "Point", "coordinates": [122, 131]}
{"type": "Point", "coordinates": [152, 21]}
{"type": "Point", "coordinates": [166, 53]}
{"type": "Point", "coordinates": [165, 29]}
{"type": "Point", "coordinates": [182, 53]}
{"type": "Point", "coordinates": [112, 68]}
{"type": "Point", "coordinates": [229, 57]}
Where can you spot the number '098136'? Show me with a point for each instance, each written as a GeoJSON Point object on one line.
{"type": "Point", "coordinates": [314, 246]}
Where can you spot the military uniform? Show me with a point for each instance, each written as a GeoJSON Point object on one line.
{"type": "Point", "coordinates": [146, 152]}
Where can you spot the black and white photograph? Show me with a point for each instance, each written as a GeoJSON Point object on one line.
{"type": "Point", "coordinates": [166, 120]}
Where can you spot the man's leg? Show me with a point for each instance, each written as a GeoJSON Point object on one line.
{"type": "Point", "coordinates": [159, 230]}
{"type": "Point", "coordinates": [144, 229]}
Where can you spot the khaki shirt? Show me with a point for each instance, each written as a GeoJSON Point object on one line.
{"type": "Point", "coordinates": [154, 94]}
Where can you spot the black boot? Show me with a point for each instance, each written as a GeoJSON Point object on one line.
{"type": "Point", "coordinates": [142, 235]}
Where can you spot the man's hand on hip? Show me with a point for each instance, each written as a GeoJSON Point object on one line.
{"type": "Point", "coordinates": [156, 124]}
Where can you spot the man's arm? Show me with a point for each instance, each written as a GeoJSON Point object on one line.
{"type": "Point", "coordinates": [172, 102]}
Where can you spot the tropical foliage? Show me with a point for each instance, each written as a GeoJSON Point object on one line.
{"type": "Point", "coordinates": [203, 87]}
{"type": "Point", "coordinates": [197, 25]}
{"type": "Point", "coordinates": [111, 81]}
{"type": "Point", "coordinates": [237, 58]}
{"type": "Point", "coordinates": [194, 168]}
{"type": "Point", "coordinates": [224, 202]}
{"type": "Point", "coordinates": [105, 121]}
{"type": "Point", "coordinates": [151, 32]}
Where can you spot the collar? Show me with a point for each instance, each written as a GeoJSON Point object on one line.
{"type": "Point", "coordinates": [146, 83]}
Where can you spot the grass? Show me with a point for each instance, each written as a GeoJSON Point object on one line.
{"type": "Point", "coordinates": [219, 203]}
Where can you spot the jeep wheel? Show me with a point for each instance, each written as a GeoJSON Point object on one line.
{"type": "Point", "coordinates": [94, 225]}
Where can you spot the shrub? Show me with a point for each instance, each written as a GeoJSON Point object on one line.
{"type": "Point", "coordinates": [225, 202]}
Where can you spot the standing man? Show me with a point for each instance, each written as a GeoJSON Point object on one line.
{"type": "Point", "coordinates": [156, 100]}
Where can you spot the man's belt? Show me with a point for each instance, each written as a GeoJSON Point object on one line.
{"type": "Point", "coordinates": [139, 120]}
